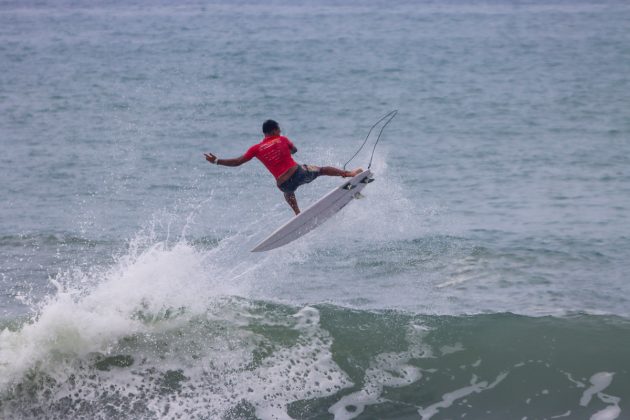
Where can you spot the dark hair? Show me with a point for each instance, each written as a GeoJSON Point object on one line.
{"type": "Point", "coordinates": [269, 126]}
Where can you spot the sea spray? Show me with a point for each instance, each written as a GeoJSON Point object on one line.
{"type": "Point", "coordinates": [87, 315]}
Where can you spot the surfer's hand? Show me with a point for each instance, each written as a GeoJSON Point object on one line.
{"type": "Point", "coordinates": [210, 157]}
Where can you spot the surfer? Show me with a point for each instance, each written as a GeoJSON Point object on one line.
{"type": "Point", "coordinates": [275, 151]}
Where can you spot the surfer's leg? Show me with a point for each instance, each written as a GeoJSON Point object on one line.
{"type": "Point", "coordinates": [290, 197]}
{"type": "Point", "coordinates": [332, 171]}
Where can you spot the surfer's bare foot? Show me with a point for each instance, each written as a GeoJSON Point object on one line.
{"type": "Point", "coordinates": [353, 173]}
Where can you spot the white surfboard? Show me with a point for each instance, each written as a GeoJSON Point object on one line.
{"type": "Point", "coordinates": [317, 213]}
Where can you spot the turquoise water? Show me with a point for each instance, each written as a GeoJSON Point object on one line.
{"type": "Point", "coordinates": [483, 276]}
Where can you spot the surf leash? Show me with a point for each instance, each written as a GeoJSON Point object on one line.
{"type": "Point", "coordinates": [389, 117]}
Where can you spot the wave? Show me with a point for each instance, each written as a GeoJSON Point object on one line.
{"type": "Point", "coordinates": [110, 355]}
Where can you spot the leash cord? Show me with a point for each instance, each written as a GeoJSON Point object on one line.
{"type": "Point", "coordinates": [389, 116]}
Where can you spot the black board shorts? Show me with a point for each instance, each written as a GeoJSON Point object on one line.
{"type": "Point", "coordinates": [303, 175]}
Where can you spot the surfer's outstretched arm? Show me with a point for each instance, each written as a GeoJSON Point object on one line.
{"type": "Point", "coordinates": [226, 162]}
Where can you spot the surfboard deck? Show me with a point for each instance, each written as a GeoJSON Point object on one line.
{"type": "Point", "coordinates": [317, 213]}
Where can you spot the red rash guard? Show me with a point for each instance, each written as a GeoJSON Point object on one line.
{"type": "Point", "coordinates": [275, 153]}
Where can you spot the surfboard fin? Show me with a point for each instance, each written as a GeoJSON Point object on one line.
{"type": "Point", "coordinates": [367, 180]}
{"type": "Point", "coordinates": [349, 186]}
{"type": "Point", "coordinates": [358, 195]}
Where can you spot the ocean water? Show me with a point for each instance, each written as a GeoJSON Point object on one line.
{"type": "Point", "coordinates": [484, 275]}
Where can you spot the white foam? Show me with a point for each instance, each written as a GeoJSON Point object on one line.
{"type": "Point", "coordinates": [302, 371]}
{"type": "Point", "coordinates": [609, 413]}
{"type": "Point", "coordinates": [215, 359]}
{"type": "Point", "coordinates": [449, 398]}
{"type": "Point", "coordinates": [457, 347]}
{"type": "Point", "coordinates": [599, 382]}
{"type": "Point", "coordinates": [386, 370]}
{"type": "Point", "coordinates": [577, 383]}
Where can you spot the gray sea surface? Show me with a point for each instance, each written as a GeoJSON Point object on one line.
{"type": "Point", "coordinates": [502, 199]}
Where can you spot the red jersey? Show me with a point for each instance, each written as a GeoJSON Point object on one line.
{"type": "Point", "coordinates": [275, 153]}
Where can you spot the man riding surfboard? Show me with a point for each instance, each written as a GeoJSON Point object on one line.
{"type": "Point", "coordinates": [275, 151]}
